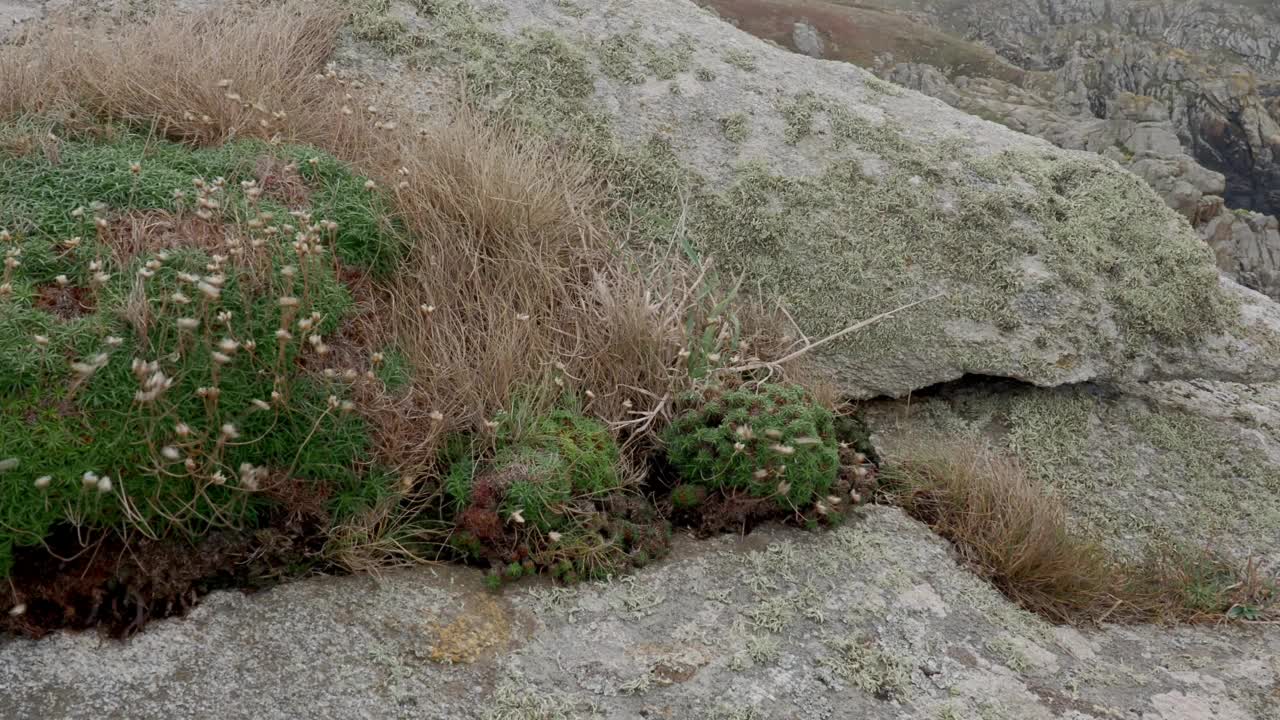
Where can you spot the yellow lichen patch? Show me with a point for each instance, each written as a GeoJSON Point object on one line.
{"type": "Point", "coordinates": [482, 625]}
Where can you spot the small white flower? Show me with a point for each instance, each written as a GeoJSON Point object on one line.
{"type": "Point", "coordinates": [554, 536]}
{"type": "Point", "coordinates": [171, 453]}
{"type": "Point", "coordinates": [436, 415]}
{"type": "Point", "coordinates": [42, 340]}
{"type": "Point", "coordinates": [43, 481]}
{"type": "Point", "coordinates": [229, 431]}
{"type": "Point", "coordinates": [113, 341]}
{"type": "Point", "coordinates": [18, 610]}
{"type": "Point", "coordinates": [188, 323]}
{"type": "Point", "coordinates": [182, 429]}
{"type": "Point", "coordinates": [8, 464]}
{"type": "Point", "coordinates": [104, 485]}
{"type": "Point", "coordinates": [260, 404]}
{"type": "Point", "coordinates": [62, 280]}
{"type": "Point", "coordinates": [517, 516]}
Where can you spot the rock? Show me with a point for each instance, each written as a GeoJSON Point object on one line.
{"type": "Point", "coordinates": [1141, 83]}
{"type": "Point", "coordinates": [844, 197]}
{"type": "Point", "coordinates": [807, 40]}
{"type": "Point", "coordinates": [778, 624]}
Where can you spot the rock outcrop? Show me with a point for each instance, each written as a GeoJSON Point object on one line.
{"type": "Point", "coordinates": [842, 197]}
{"type": "Point", "coordinates": [1181, 93]}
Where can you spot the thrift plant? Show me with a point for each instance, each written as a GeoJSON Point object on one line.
{"type": "Point", "coordinates": [165, 314]}
{"type": "Point", "coordinates": [770, 441]}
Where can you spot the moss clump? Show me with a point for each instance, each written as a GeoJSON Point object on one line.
{"type": "Point", "coordinates": [371, 23]}
{"type": "Point", "coordinates": [770, 442]}
{"type": "Point", "coordinates": [629, 58]}
{"type": "Point", "coordinates": [741, 59]}
{"type": "Point", "coordinates": [550, 498]}
{"type": "Point", "coordinates": [736, 128]}
{"type": "Point", "coordinates": [142, 381]}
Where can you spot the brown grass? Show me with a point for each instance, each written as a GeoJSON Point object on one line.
{"type": "Point", "coordinates": [512, 281]}
{"type": "Point", "coordinates": [1013, 531]}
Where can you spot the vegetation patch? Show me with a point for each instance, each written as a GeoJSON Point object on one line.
{"type": "Point", "coordinates": [747, 453]}
{"type": "Point", "coordinates": [550, 499]}
{"type": "Point", "coordinates": [1013, 531]}
{"type": "Point", "coordinates": [161, 320]}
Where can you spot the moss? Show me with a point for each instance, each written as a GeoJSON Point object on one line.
{"type": "Point", "coordinates": [772, 442]}
{"type": "Point", "coordinates": [736, 128]}
{"type": "Point", "coordinates": [870, 667]}
{"type": "Point", "coordinates": [371, 23]}
{"type": "Point", "coordinates": [570, 8]}
{"type": "Point", "coordinates": [628, 58]}
{"type": "Point", "coordinates": [882, 87]}
{"type": "Point", "coordinates": [798, 113]}
{"type": "Point", "coordinates": [741, 59]}
{"type": "Point", "coordinates": [704, 74]}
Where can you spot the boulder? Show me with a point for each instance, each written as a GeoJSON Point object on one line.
{"type": "Point", "coordinates": [841, 197]}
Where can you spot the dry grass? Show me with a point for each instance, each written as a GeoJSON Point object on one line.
{"type": "Point", "coordinates": [1012, 530]}
{"type": "Point", "coordinates": [512, 279]}
{"type": "Point", "coordinates": [1005, 525]}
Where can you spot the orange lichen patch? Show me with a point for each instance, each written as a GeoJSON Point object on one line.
{"type": "Point", "coordinates": [67, 302]}
{"type": "Point", "coordinates": [282, 182]}
{"type": "Point", "coordinates": [145, 232]}
{"type": "Point", "coordinates": [482, 625]}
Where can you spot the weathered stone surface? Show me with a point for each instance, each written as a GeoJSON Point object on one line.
{"type": "Point", "coordinates": [1167, 89]}
{"type": "Point", "coordinates": [875, 620]}
{"type": "Point", "coordinates": [845, 197]}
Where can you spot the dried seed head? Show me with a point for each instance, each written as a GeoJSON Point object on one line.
{"type": "Point", "coordinates": [260, 404]}
{"type": "Point", "coordinates": [182, 429]}
{"type": "Point", "coordinates": [42, 340]}
{"type": "Point", "coordinates": [104, 484]}
{"type": "Point", "coordinates": [89, 479]}
{"type": "Point", "coordinates": [171, 453]}
{"type": "Point", "coordinates": [436, 415]}
{"type": "Point", "coordinates": [62, 281]}
{"type": "Point", "coordinates": [516, 516]}
{"type": "Point", "coordinates": [188, 323]}
{"type": "Point", "coordinates": [761, 474]}
{"type": "Point", "coordinates": [783, 449]}
{"type": "Point", "coordinates": [18, 610]}
{"type": "Point", "coordinates": [229, 431]}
